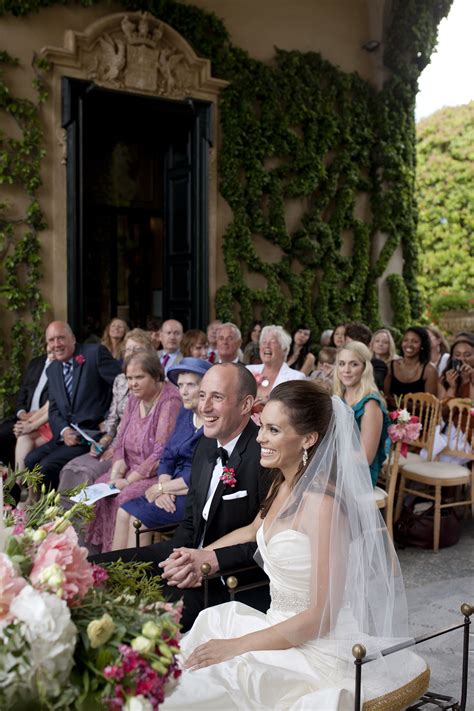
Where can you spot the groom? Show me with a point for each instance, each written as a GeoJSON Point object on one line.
{"type": "Point", "coordinates": [213, 508]}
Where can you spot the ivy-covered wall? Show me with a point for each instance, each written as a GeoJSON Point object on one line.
{"type": "Point", "coordinates": [299, 129]}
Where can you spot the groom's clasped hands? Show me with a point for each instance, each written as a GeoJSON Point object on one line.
{"type": "Point", "coordinates": [183, 567]}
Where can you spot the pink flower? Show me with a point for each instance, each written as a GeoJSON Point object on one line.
{"type": "Point", "coordinates": [10, 586]}
{"type": "Point", "coordinates": [228, 476]}
{"type": "Point", "coordinates": [80, 359]}
{"type": "Point", "coordinates": [18, 529]}
{"type": "Point", "coordinates": [99, 575]}
{"type": "Point", "coordinates": [62, 549]}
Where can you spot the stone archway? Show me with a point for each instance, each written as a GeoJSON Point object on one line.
{"type": "Point", "coordinates": [133, 53]}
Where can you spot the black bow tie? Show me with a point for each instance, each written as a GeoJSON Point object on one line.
{"type": "Point", "coordinates": [222, 454]}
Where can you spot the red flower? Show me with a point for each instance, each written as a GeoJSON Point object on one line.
{"type": "Point", "coordinates": [80, 359]}
{"type": "Point", "coordinates": [228, 476]}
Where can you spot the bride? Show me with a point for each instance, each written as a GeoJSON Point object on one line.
{"type": "Point", "coordinates": [334, 580]}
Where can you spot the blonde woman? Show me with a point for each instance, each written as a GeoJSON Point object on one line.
{"type": "Point", "coordinates": [114, 337]}
{"type": "Point", "coordinates": [382, 345]}
{"type": "Point", "coordinates": [354, 383]}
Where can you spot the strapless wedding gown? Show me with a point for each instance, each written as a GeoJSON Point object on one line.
{"type": "Point", "coordinates": [306, 678]}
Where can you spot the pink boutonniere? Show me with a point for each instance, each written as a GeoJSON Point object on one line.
{"type": "Point", "coordinates": [80, 360]}
{"type": "Point", "coordinates": [228, 476]}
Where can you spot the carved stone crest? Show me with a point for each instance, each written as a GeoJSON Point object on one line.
{"type": "Point", "coordinates": [138, 55]}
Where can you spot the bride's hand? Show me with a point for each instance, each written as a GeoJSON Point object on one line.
{"type": "Point", "coordinates": [213, 652]}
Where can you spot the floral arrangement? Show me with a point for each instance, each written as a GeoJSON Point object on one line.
{"type": "Point", "coordinates": [74, 634]}
{"type": "Point", "coordinates": [406, 429]}
{"type": "Point", "coordinates": [228, 476]}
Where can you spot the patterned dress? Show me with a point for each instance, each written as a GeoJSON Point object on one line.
{"type": "Point", "coordinates": [140, 442]}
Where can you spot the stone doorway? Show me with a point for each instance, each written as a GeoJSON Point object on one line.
{"type": "Point", "coordinates": [134, 212]}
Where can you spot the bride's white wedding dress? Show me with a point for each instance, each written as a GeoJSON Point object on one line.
{"type": "Point", "coordinates": [311, 677]}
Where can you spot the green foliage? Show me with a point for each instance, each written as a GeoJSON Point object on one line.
{"type": "Point", "coordinates": [297, 130]}
{"type": "Point", "coordinates": [20, 248]}
{"type": "Point", "coordinates": [445, 191]}
{"type": "Point", "coordinates": [400, 299]}
{"type": "Point", "coordinates": [454, 301]}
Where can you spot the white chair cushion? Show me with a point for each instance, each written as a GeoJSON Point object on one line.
{"type": "Point", "coordinates": [438, 470]}
{"type": "Point", "coordinates": [411, 457]}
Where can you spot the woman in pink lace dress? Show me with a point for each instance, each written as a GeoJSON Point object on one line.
{"type": "Point", "coordinates": [147, 423]}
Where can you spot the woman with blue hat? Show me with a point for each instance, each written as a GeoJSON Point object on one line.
{"type": "Point", "coordinates": [164, 502]}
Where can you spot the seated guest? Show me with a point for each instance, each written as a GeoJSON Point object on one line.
{"type": "Point", "coordinates": [412, 373]}
{"type": "Point", "coordinates": [338, 337]}
{"type": "Point", "coordinates": [88, 467]}
{"type": "Point", "coordinates": [164, 501]}
{"type": "Point", "coordinates": [32, 395]}
{"type": "Point", "coordinates": [80, 383]}
{"type": "Point", "coordinates": [171, 335]}
{"type": "Point", "coordinates": [153, 327]}
{"type": "Point", "coordinates": [354, 383]}
{"type": "Point", "coordinates": [194, 344]}
{"type": "Point", "coordinates": [360, 332]}
{"type": "Point", "coordinates": [33, 431]}
{"type": "Point", "coordinates": [324, 370]}
{"type": "Point", "coordinates": [274, 346]}
{"type": "Point", "coordinates": [299, 357]}
{"type": "Point", "coordinates": [229, 340]}
{"type": "Point", "coordinates": [252, 349]}
{"type": "Point", "coordinates": [439, 349]}
{"type": "Point", "coordinates": [147, 423]}
{"type": "Point", "coordinates": [212, 333]}
{"type": "Point", "coordinates": [382, 345]}
{"type": "Point", "coordinates": [325, 340]}
{"type": "Point", "coordinates": [457, 379]}
{"type": "Point", "coordinates": [113, 337]}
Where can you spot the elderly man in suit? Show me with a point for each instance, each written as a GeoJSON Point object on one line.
{"type": "Point", "coordinates": [32, 395]}
{"type": "Point", "coordinates": [171, 334]}
{"type": "Point", "coordinates": [79, 389]}
{"type": "Point", "coordinates": [213, 508]}
{"type": "Point", "coordinates": [229, 340]}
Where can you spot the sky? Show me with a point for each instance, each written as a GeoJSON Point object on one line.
{"type": "Point", "coordinates": [449, 79]}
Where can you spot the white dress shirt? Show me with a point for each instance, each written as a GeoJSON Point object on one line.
{"type": "Point", "coordinates": [35, 400]}
{"type": "Point", "coordinates": [215, 478]}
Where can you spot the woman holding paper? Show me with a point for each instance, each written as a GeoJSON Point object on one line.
{"type": "Point", "coordinates": [147, 423]}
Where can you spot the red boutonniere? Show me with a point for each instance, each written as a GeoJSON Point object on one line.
{"type": "Point", "coordinates": [80, 360]}
{"type": "Point", "coordinates": [228, 476]}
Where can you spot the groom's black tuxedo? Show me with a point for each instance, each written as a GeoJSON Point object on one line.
{"type": "Point", "coordinates": [225, 515]}
{"type": "Point", "coordinates": [94, 371]}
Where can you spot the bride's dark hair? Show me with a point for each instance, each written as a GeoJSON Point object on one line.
{"type": "Point", "coordinates": [309, 409]}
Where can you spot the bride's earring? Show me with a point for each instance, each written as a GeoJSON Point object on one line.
{"type": "Point", "coordinates": [305, 457]}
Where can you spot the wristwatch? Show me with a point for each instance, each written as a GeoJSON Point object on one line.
{"type": "Point", "coordinates": [160, 487]}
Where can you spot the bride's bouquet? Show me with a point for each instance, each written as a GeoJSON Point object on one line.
{"type": "Point", "coordinates": [74, 634]}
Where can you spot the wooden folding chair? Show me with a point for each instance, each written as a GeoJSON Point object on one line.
{"type": "Point", "coordinates": [434, 475]}
{"type": "Point", "coordinates": [387, 484]}
{"type": "Point", "coordinates": [428, 408]}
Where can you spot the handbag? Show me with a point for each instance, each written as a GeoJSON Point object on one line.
{"type": "Point", "coordinates": [415, 528]}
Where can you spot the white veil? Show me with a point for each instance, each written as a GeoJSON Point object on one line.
{"type": "Point", "coordinates": [356, 590]}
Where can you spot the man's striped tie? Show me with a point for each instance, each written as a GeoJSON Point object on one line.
{"type": "Point", "coordinates": [67, 374]}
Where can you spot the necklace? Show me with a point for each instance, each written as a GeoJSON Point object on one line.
{"type": "Point", "coordinates": [265, 383]}
{"type": "Point", "coordinates": [410, 371]}
{"type": "Point", "coordinates": [147, 408]}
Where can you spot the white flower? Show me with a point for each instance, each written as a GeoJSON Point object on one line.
{"type": "Point", "coordinates": [143, 645]}
{"type": "Point", "coordinates": [138, 703]}
{"type": "Point", "coordinates": [403, 417]}
{"type": "Point", "coordinates": [47, 626]}
{"type": "Point", "coordinates": [53, 577]}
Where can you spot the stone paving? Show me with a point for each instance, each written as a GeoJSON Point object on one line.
{"type": "Point", "coordinates": [437, 584]}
